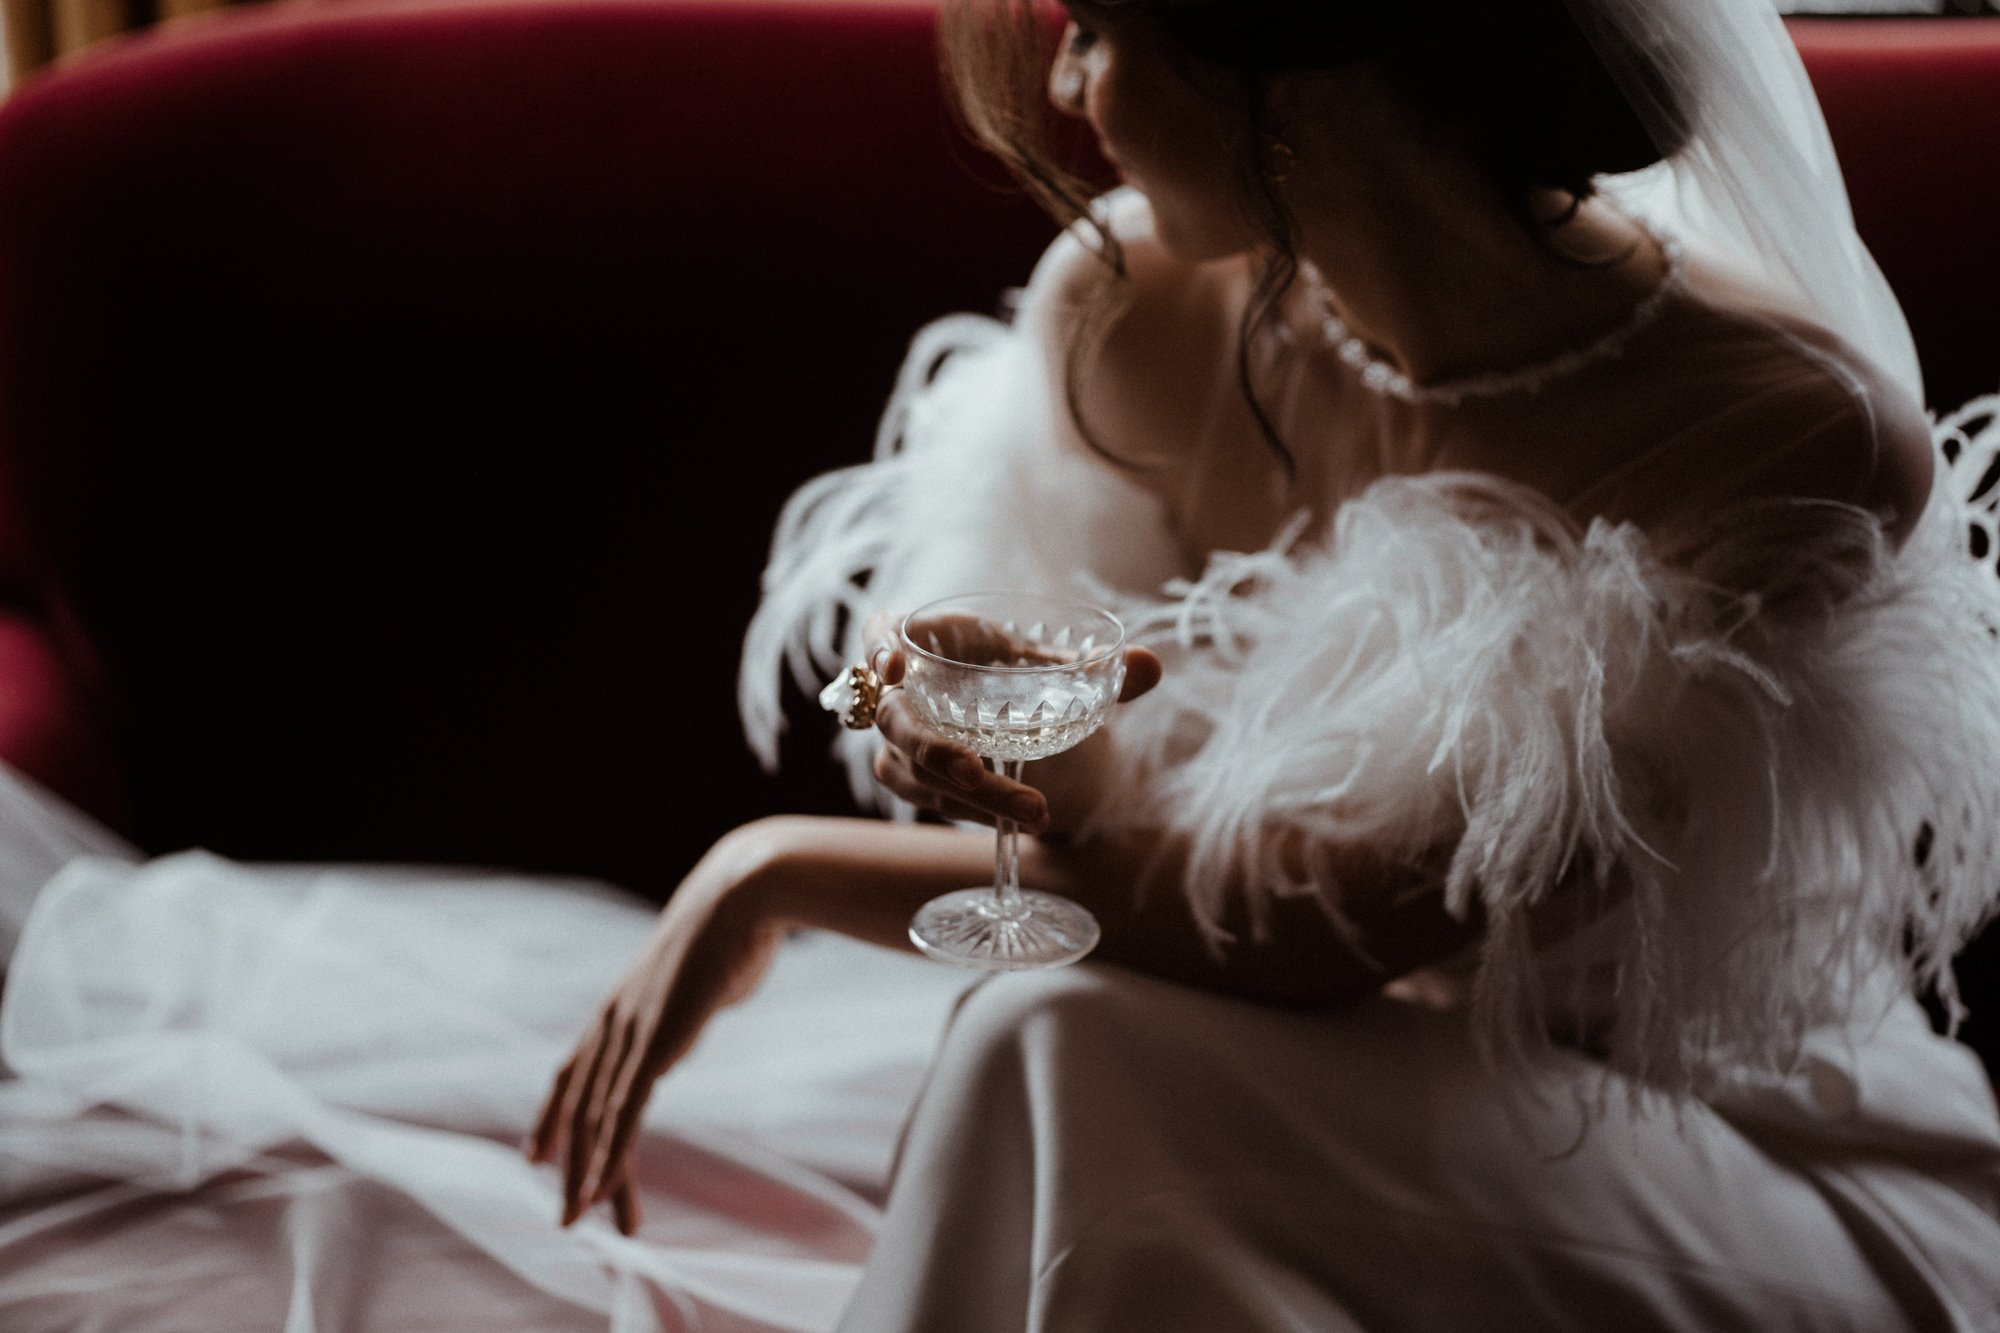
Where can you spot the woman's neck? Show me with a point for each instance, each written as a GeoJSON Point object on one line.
{"type": "Point", "coordinates": [1431, 268]}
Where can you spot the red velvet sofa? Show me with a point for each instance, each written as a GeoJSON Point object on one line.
{"type": "Point", "coordinates": [395, 398]}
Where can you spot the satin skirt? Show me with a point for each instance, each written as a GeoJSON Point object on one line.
{"type": "Point", "coordinates": [1096, 1150]}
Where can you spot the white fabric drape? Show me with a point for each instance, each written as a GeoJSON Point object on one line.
{"type": "Point", "coordinates": [1099, 1151]}
{"type": "Point", "coordinates": [292, 1097]}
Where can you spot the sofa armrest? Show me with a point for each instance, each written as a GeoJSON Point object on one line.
{"type": "Point", "coordinates": [47, 730]}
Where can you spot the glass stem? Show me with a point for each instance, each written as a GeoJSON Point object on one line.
{"type": "Point", "coordinates": [1006, 851]}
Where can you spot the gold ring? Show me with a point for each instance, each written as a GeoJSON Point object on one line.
{"type": "Point", "coordinates": [852, 695]}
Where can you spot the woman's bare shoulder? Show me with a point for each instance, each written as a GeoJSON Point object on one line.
{"type": "Point", "coordinates": [1861, 440]}
{"type": "Point", "coordinates": [1843, 429]}
{"type": "Point", "coordinates": [1752, 402]}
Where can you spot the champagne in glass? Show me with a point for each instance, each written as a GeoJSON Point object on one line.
{"type": "Point", "coordinates": [1014, 677]}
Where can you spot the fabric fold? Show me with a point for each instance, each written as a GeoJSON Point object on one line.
{"type": "Point", "coordinates": [398, 1027]}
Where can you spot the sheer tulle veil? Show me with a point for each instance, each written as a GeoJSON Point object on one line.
{"type": "Point", "coordinates": [1755, 185]}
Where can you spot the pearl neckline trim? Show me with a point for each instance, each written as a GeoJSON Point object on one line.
{"type": "Point", "coordinates": [1379, 376]}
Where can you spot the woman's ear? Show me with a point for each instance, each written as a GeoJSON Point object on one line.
{"type": "Point", "coordinates": [1287, 111]}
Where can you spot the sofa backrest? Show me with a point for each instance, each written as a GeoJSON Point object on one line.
{"type": "Point", "coordinates": [403, 395]}
{"type": "Point", "coordinates": [1914, 108]}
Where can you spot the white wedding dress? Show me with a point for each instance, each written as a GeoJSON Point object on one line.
{"type": "Point", "coordinates": [1715, 1107]}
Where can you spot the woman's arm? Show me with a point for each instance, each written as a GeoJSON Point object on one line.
{"type": "Point", "coordinates": [866, 879]}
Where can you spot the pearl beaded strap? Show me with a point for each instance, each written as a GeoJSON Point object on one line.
{"type": "Point", "coordinates": [1379, 376]}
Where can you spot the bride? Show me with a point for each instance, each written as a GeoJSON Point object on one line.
{"type": "Point", "coordinates": [1559, 709]}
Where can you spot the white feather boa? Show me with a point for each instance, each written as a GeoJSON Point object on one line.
{"type": "Point", "coordinates": [968, 490]}
{"type": "Point", "coordinates": [1731, 750]}
{"type": "Point", "coordinates": [1725, 756]}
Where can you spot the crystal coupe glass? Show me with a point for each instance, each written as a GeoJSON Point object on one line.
{"type": "Point", "coordinates": [1013, 676]}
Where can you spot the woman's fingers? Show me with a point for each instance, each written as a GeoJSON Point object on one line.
{"type": "Point", "coordinates": [607, 1155]}
{"type": "Point", "coordinates": [967, 638]}
{"type": "Point", "coordinates": [576, 1083]}
{"type": "Point", "coordinates": [611, 1164]}
{"type": "Point", "coordinates": [699, 955]}
{"type": "Point", "coordinates": [927, 751]}
{"type": "Point", "coordinates": [618, 1076]}
{"type": "Point", "coordinates": [627, 1105]}
{"type": "Point", "coordinates": [1142, 673]}
{"type": "Point", "coordinates": [992, 798]}
{"type": "Point", "coordinates": [973, 639]}
{"type": "Point", "coordinates": [926, 796]}
{"type": "Point", "coordinates": [541, 1142]}
{"type": "Point", "coordinates": [625, 1207]}
{"type": "Point", "coordinates": [881, 635]}
{"type": "Point", "coordinates": [588, 1114]}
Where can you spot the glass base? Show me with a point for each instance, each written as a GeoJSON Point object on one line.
{"type": "Point", "coordinates": [968, 929]}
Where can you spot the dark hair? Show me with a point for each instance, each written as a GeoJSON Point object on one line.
{"type": "Point", "coordinates": [1516, 81]}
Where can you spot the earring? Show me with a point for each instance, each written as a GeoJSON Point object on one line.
{"type": "Point", "coordinates": [1068, 88]}
{"type": "Point", "coordinates": [1279, 160]}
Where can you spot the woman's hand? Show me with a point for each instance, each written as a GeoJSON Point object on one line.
{"type": "Point", "coordinates": [710, 949]}
{"type": "Point", "coordinates": [933, 773]}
